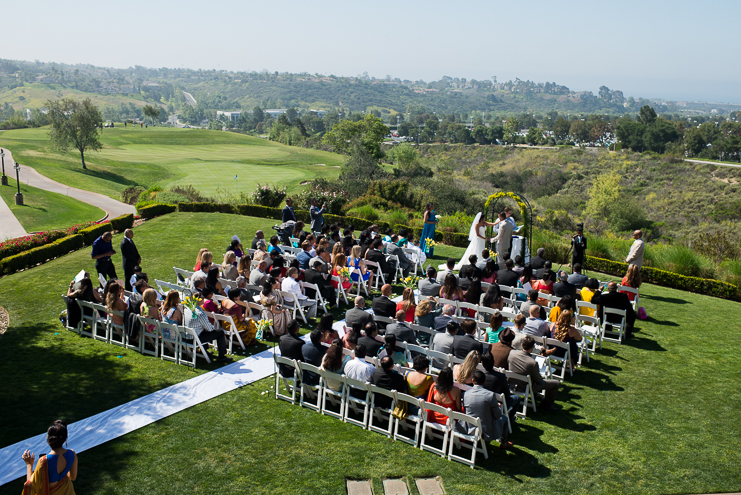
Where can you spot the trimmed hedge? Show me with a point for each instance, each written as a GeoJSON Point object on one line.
{"type": "Point", "coordinates": [455, 239]}
{"type": "Point", "coordinates": [91, 233]}
{"type": "Point", "coordinates": [706, 286]}
{"type": "Point", "coordinates": [155, 210]}
{"type": "Point", "coordinates": [41, 254]}
{"type": "Point", "coordinates": [123, 222]}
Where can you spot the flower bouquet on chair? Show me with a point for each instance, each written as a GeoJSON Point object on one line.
{"type": "Point", "coordinates": [410, 282]}
{"type": "Point", "coordinates": [344, 274]}
{"type": "Point", "coordinates": [192, 307]}
{"type": "Point", "coordinates": [262, 325]}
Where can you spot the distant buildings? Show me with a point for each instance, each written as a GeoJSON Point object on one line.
{"type": "Point", "coordinates": [233, 116]}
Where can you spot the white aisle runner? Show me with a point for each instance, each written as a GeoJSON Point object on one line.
{"type": "Point", "coordinates": [113, 423]}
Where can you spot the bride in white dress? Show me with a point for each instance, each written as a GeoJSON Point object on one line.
{"type": "Point", "coordinates": [477, 241]}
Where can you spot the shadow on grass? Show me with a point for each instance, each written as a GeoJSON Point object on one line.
{"type": "Point", "coordinates": [590, 378]}
{"type": "Point", "coordinates": [640, 341]}
{"type": "Point", "coordinates": [664, 323]}
{"type": "Point", "coordinates": [107, 175]}
{"type": "Point", "coordinates": [517, 463]}
{"type": "Point", "coordinates": [671, 300]}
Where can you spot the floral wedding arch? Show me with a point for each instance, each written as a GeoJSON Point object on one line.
{"type": "Point", "coordinates": [491, 210]}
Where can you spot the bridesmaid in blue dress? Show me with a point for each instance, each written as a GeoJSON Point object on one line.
{"type": "Point", "coordinates": [428, 232]}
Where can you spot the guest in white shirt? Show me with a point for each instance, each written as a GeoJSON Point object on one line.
{"type": "Point", "coordinates": [291, 285]}
{"type": "Point", "coordinates": [359, 369]}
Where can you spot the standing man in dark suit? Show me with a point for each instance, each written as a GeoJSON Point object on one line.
{"type": "Point", "coordinates": [288, 214]}
{"type": "Point", "coordinates": [463, 344]}
{"type": "Point", "coordinates": [401, 329]}
{"type": "Point", "coordinates": [617, 300]}
{"type": "Point", "coordinates": [130, 256]}
{"type": "Point", "coordinates": [538, 261]}
{"type": "Point", "coordinates": [358, 314]}
{"type": "Point", "coordinates": [579, 245]}
{"type": "Point", "coordinates": [317, 215]}
{"type": "Point", "coordinates": [383, 306]}
{"type": "Point", "coordinates": [508, 276]}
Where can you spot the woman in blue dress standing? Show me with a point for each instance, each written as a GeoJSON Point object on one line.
{"type": "Point", "coordinates": [428, 232]}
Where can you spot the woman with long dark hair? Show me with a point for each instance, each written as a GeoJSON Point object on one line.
{"type": "Point", "coordinates": [397, 354]}
{"type": "Point", "coordinates": [489, 273]}
{"type": "Point", "coordinates": [493, 298]}
{"type": "Point", "coordinates": [450, 289]}
{"type": "Point", "coordinates": [269, 300]}
{"type": "Point", "coordinates": [525, 282]}
{"type": "Point", "coordinates": [428, 232]}
{"type": "Point", "coordinates": [212, 280]}
{"type": "Point", "coordinates": [444, 393]}
{"type": "Point", "coordinates": [334, 360]}
{"type": "Point", "coordinates": [325, 326]}
{"type": "Point", "coordinates": [473, 295]}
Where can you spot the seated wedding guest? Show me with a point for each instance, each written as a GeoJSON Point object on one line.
{"type": "Point", "coordinates": [231, 307]}
{"type": "Point", "coordinates": [495, 328]}
{"type": "Point", "coordinates": [449, 265]}
{"type": "Point", "coordinates": [445, 394]}
{"type": "Point", "coordinates": [546, 273]}
{"type": "Point", "coordinates": [587, 293]}
{"type": "Point", "coordinates": [388, 378]}
{"type": "Point", "coordinates": [83, 292]}
{"type": "Point", "coordinates": [370, 339]}
{"type": "Point", "coordinates": [500, 351]}
{"type": "Point", "coordinates": [466, 340]}
{"type": "Point", "coordinates": [236, 247]}
{"type": "Point", "coordinates": [114, 302]}
{"type": "Point", "coordinates": [489, 272]}
{"type": "Point", "coordinates": [259, 236]}
{"type": "Point", "coordinates": [394, 248]}
{"type": "Point", "coordinates": [334, 241]}
{"type": "Point", "coordinates": [258, 275]}
{"type": "Point", "coordinates": [398, 354]}
{"type": "Point", "coordinates": [290, 284]}
{"type": "Point", "coordinates": [313, 353]}
{"type": "Point", "coordinates": [274, 245]}
{"type": "Point", "coordinates": [170, 312]}
{"type": "Point", "coordinates": [148, 307]}
{"type": "Point", "coordinates": [617, 300]}
{"type": "Point", "coordinates": [401, 330]}
{"type": "Point", "coordinates": [199, 258]}
{"type": "Point", "coordinates": [407, 304]}
{"type": "Point", "coordinates": [383, 305]}
{"type": "Point", "coordinates": [418, 381]}
{"type": "Point", "coordinates": [208, 302]}
{"type": "Point", "coordinates": [322, 280]}
{"type": "Point", "coordinates": [545, 284]}
{"type": "Point", "coordinates": [359, 369]}
{"type": "Point", "coordinates": [269, 300]}
{"type": "Point", "coordinates": [375, 255]}
{"type": "Point", "coordinates": [441, 322]}
{"type": "Point", "coordinates": [576, 278]}
{"type": "Point", "coordinates": [532, 300]}
{"type": "Point", "coordinates": [428, 286]}
{"type": "Point", "coordinates": [482, 403]}
{"type": "Point", "coordinates": [563, 288]}
{"type": "Point", "coordinates": [198, 286]}
{"type": "Point", "coordinates": [338, 263]}
{"type": "Point", "coordinates": [358, 314]}
{"type": "Point", "coordinates": [538, 261]}
{"type": "Point", "coordinates": [212, 280]}
{"type": "Point", "coordinates": [473, 296]}
{"type": "Point", "coordinates": [470, 271]}
{"type": "Point", "coordinates": [206, 259]}
{"type": "Point", "coordinates": [534, 325]}
{"type": "Point", "coordinates": [228, 270]}
{"type": "Point", "coordinates": [351, 337]}
{"type": "Point", "coordinates": [632, 279]}
{"type": "Point", "coordinates": [260, 252]}
{"type": "Point", "coordinates": [279, 263]}
{"type": "Point", "coordinates": [426, 313]}
{"type": "Point", "coordinates": [463, 373]}
{"type": "Point", "coordinates": [347, 245]}
{"type": "Point", "coordinates": [303, 257]}
{"type": "Point", "coordinates": [295, 264]}
{"type": "Point", "coordinates": [523, 363]}
{"type": "Point", "coordinates": [322, 256]}
{"type": "Point", "coordinates": [244, 267]}
{"type": "Point", "coordinates": [336, 251]}
{"type": "Point", "coordinates": [564, 331]}
{"type": "Point", "coordinates": [334, 360]}
{"type": "Point", "coordinates": [443, 342]}
{"type": "Point", "coordinates": [358, 268]}
{"type": "Point", "coordinates": [298, 229]}
{"type": "Point", "coordinates": [311, 239]}
{"type": "Point", "coordinates": [496, 382]}
{"type": "Point", "coordinates": [450, 289]}
{"type": "Point", "coordinates": [290, 347]}
{"type": "Point", "coordinates": [493, 298]}
{"type": "Point", "coordinates": [519, 321]}
{"type": "Point", "coordinates": [508, 276]}
{"type": "Point", "coordinates": [484, 259]}
{"type": "Point", "coordinates": [519, 265]}
{"type": "Point", "coordinates": [563, 304]}
{"type": "Point", "coordinates": [328, 334]}
{"type": "Point", "coordinates": [525, 282]}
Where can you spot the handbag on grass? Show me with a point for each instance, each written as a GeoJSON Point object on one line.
{"type": "Point", "coordinates": [401, 411]}
{"type": "Point", "coordinates": [642, 313]}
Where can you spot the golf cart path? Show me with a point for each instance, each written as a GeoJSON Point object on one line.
{"type": "Point", "coordinates": [31, 177]}
{"type": "Point", "coordinates": [10, 227]}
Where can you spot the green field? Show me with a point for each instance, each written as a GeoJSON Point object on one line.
{"type": "Point", "coordinates": [36, 95]}
{"type": "Point", "coordinates": [207, 160]}
{"type": "Point", "coordinates": [657, 415]}
{"type": "Point", "coordinates": [43, 210]}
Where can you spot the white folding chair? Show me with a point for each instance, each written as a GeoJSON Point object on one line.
{"type": "Point", "coordinates": [517, 381]}
{"type": "Point", "coordinates": [505, 410]}
{"type": "Point", "coordinates": [226, 322]}
{"type": "Point", "coordinates": [169, 342]}
{"type": "Point", "coordinates": [293, 305]}
{"type": "Point", "coordinates": [182, 276]}
{"type": "Point", "coordinates": [412, 255]}
{"type": "Point", "coordinates": [116, 333]}
{"type": "Point", "coordinates": [463, 308]}
{"type": "Point", "coordinates": [317, 299]}
{"type": "Point", "coordinates": [430, 332]}
{"type": "Point", "coordinates": [381, 413]}
{"type": "Point", "coordinates": [614, 328]}
{"type": "Point", "coordinates": [432, 430]}
{"type": "Point", "coordinates": [630, 290]}
{"type": "Point", "coordinates": [439, 360]}
{"type": "Point", "coordinates": [146, 337]}
{"type": "Point", "coordinates": [589, 328]}
{"type": "Point", "coordinates": [336, 397]}
{"type": "Point", "coordinates": [101, 322]}
{"type": "Point", "coordinates": [442, 302]}
{"type": "Point", "coordinates": [88, 320]}
{"type": "Point", "coordinates": [560, 362]}
{"type": "Point", "coordinates": [474, 441]}
{"type": "Point", "coordinates": [360, 284]}
{"type": "Point", "coordinates": [189, 346]}
{"type": "Point", "coordinates": [356, 403]}
{"type": "Point", "coordinates": [288, 381]}
{"type": "Point", "coordinates": [225, 281]}
{"type": "Point", "coordinates": [66, 324]}
{"type": "Point", "coordinates": [379, 279]}
{"type": "Point", "coordinates": [384, 319]}
{"type": "Point", "coordinates": [312, 391]}
{"type": "Point", "coordinates": [415, 417]}
{"type": "Point", "coordinates": [340, 291]}
{"type": "Point", "coordinates": [399, 273]}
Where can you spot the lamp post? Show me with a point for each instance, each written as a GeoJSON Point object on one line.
{"type": "Point", "coordinates": [5, 177]}
{"type": "Point", "coordinates": [18, 195]}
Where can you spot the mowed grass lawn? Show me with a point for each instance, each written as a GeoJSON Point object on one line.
{"type": "Point", "coordinates": [207, 160]}
{"type": "Point", "coordinates": [656, 415]}
{"type": "Point", "coordinates": [43, 210]}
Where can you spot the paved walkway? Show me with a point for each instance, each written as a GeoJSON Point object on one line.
{"type": "Point", "coordinates": [712, 163]}
{"type": "Point", "coordinates": [31, 177]}
{"type": "Point", "coordinates": [10, 227]}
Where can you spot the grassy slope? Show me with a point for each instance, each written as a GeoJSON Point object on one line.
{"type": "Point", "coordinates": [36, 95]}
{"type": "Point", "coordinates": [637, 418]}
{"type": "Point", "coordinates": [43, 210]}
{"type": "Point", "coordinates": [165, 156]}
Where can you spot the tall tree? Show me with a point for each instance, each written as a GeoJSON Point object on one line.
{"type": "Point", "coordinates": [647, 115]}
{"type": "Point", "coordinates": [75, 124]}
{"type": "Point", "coordinates": [369, 132]}
{"type": "Point", "coordinates": [561, 128]}
{"type": "Point", "coordinates": [152, 112]}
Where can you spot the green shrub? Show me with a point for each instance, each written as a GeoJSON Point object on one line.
{"type": "Point", "coordinates": [262, 212]}
{"type": "Point", "coordinates": [93, 232]}
{"type": "Point", "coordinates": [41, 254]}
{"type": "Point", "coordinates": [271, 196]}
{"type": "Point", "coordinates": [683, 260]}
{"type": "Point", "coordinates": [396, 216]}
{"type": "Point", "coordinates": [455, 239]}
{"type": "Point", "coordinates": [122, 222]}
{"type": "Point", "coordinates": [130, 195]}
{"type": "Point", "coordinates": [157, 209]}
{"type": "Point", "coordinates": [732, 269]}
{"type": "Point", "coordinates": [207, 207]}
{"type": "Point", "coordinates": [366, 212]}
{"type": "Point", "coordinates": [599, 248]}
{"type": "Point", "coordinates": [170, 197]}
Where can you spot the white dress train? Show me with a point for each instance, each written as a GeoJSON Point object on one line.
{"type": "Point", "coordinates": [476, 246]}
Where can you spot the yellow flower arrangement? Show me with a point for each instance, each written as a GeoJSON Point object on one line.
{"type": "Point", "coordinates": [192, 303]}
{"type": "Point", "coordinates": [410, 281]}
{"type": "Point", "coordinates": [262, 325]}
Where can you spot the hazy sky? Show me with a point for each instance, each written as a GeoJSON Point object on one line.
{"type": "Point", "coordinates": [676, 49]}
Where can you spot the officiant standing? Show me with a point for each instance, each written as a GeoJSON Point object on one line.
{"type": "Point", "coordinates": [428, 232]}
{"type": "Point", "coordinates": [130, 256]}
{"type": "Point", "coordinates": [579, 244]}
{"type": "Point", "coordinates": [503, 239]}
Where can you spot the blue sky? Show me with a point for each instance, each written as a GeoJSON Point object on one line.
{"type": "Point", "coordinates": [675, 49]}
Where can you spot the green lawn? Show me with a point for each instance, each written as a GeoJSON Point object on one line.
{"type": "Point", "coordinates": [165, 156]}
{"type": "Point", "coordinates": [656, 415]}
{"type": "Point", "coordinates": [43, 210]}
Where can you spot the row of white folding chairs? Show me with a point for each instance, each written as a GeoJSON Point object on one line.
{"type": "Point", "coordinates": [324, 399]}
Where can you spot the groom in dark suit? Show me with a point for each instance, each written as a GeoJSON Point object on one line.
{"type": "Point", "coordinates": [130, 256]}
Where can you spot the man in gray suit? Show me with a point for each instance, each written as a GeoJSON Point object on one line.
{"type": "Point", "coordinates": [392, 249]}
{"type": "Point", "coordinates": [503, 238]}
{"type": "Point", "coordinates": [429, 286]}
{"type": "Point", "coordinates": [523, 363]}
{"type": "Point", "coordinates": [401, 330]}
{"type": "Point", "coordinates": [358, 314]}
{"type": "Point", "coordinates": [481, 403]}
{"type": "Point", "coordinates": [449, 265]}
{"type": "Point", "coordinates": [257, 276]}
{"type": "Point", "coordinates": [443, 342]}
{"type": "Point", "coordinates": [576, 278]}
